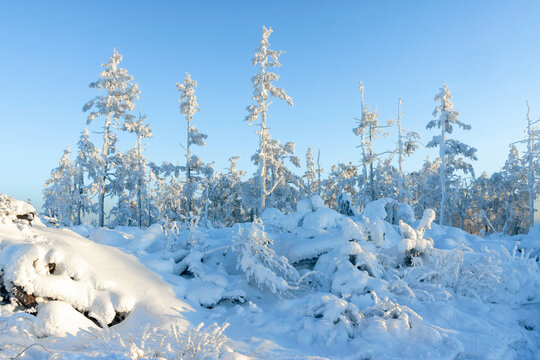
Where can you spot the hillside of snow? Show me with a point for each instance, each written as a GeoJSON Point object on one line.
{"type": "Point", "coordinates": [310, 284]}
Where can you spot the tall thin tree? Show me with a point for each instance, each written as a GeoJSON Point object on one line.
{"type": "Point", "coordinates": [263, 91]}
{"type": "Point", "coordinates": [448, 148]}
{"type": "Point", "coordinates": [188, 108]}
{"type": "Point", "coordinates": [114, 105]}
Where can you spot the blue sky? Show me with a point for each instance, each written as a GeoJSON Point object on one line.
{"type": "Point", "coordinates": [486, 51]}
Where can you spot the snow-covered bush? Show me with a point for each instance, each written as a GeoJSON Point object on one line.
{"type": "Point", "coordinates": [200, 343]}
{"type": "Point", "coordinates": [495, 276]}
{"type": "Point", "coordinates": [336, 320]}
{"type": "Point", "coordinates": [413, 244]}
{"type": "Point", "coordinates": [259, 261]}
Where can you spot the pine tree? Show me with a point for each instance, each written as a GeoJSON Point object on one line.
{"type": "Point", "coordinates": [516, 208]}
{"type": "Point", "coordinates": [59, 192]}
{"type": "Point", "coordinates": [224, 196]}
{"type": "Point", "coordinates": [426, 186]}
{"type": "Point", "coordinates": [406, 145]}
{"type": "Point", "coordinates": [449, 149]}
{"type": "Point", "coordinates": [114, 104]}
{"type": "Point", "coordinates": [369, 129]}
{"type": "Point", "coordinates": [89, 160]}
{"type": "Point", "coordinates": [531, 159]}
{"type": "Point", "coordinates": [341, 179]}
{"type": "Point", "coordinates": [285, 192]}
{"type": "Point", "coordinates": [263, 91]}
{"type": "Point", "coordinates": [188, 108]}
{"type": "Point", "coordinates": [312, 176]}
{"type": "Point", "coordinates": [138, 166]}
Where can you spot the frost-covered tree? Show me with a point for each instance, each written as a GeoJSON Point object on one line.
{"type": "Point", "coordinates": [168, 191]}
{"type": "Point", "coordinates": [425, 186]}
{"type": "Point", "coordinates": [138, 164]}
{"type": "Point", "coordinates": [116, 98]}
{"type": "Point", "coordinates": [207, 179]}
{"type": "Point", "coordinates": [451, 152]}
{"type": "Point", "coordinates": [386, 180]}
{"type": "Point", "coordinates": [312, 176]}
{"type": "Point", "coordinates": [369, 129]}
{"type": "Point", "coordinates": [285, 192]}
{"type": "Point", "coordinates": [342, 179]}
{"type": "Point", "coordinates": [406, 145]}
{"type": "Point", "coordinates": [59, 192]}
{"type": "Point", "coordinates": [263, 91]}
{"type": "Point", "coordinates": [514, 176]}
{"type": "Point", "coordinates": [89, 160]}
{"type": "Point", "coordinates": [188, 108]}
{"type": "Point", "coordinates": [82, 200]}
{"type": "Point", "coordinates": [259, 262]}
{"type": "Point", "coordinates": [531, 160]}
{"type": "Point", "coordinates": [224, 196]}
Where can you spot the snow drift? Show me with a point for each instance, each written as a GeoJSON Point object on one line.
{"type": "Point", "coordinates": [311, 283]}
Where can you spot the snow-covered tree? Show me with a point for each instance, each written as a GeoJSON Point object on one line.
{"type": "Point", "coordinates": [312, 176]}
{"type": "Point", "coordinates": [188, 108]}
{"type": "Point", "coordinates": [425, 186]}
{"type": "Point", "coordinates": [263, 91]}
{"type": "Point", "coordinates": [89, 160]}
{"type": "Point", "coordinates": [207, 179]}
{"type": "Point", "coordinates": [531, 160]}
{"type": "Point", "coordinates": [406, 145]}
{"type": "Point", "coordinates": [369, 129]}
{"type": "Point", "coordinates": [516, 206]}
{"type": "Point", "coordinates": [342, 179]}
{"type": "Point", "coordinates": [138, 164]}
{"type": "Point", "coordinates": [259, 262]}
{"type": "Point", "coordinates": [117, 95]}
{"type": "Point", "coordinates": [84, 192]}
{"type": "Point", "coordinates": [59, 192]}
{"type": "Point", "coordinates": [451, 152]}
{"type": "Point", "coordinates": [224, 196]}
{"type": "Point", "coordinates": [386, 180]}
{"type": "Point", "coordinates": [168, 191]}
{"type": "Point", "coordinates": [285, 192]}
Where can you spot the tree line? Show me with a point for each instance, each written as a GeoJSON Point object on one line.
{"type": "Point", "coordinates": [144, 192]}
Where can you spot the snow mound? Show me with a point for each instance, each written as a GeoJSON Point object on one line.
{"type": "Point", "coordinates": [71, 283]}
{"type": "Point", "coordinates": [60, 319]}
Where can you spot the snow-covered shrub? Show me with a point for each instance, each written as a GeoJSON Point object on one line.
{"type": "Point", "coordinates": [259, 261]}
{"type": "Point", "coordinates": [171, 232]}
{"type": "Point", "coordinates": [329, 319]}
{"type": "Point", "coordinates": [321, 220]}
{"type": "Point", "coordinates": [350, 272]}
{"type": "Point", "coordinates": [345, 204]}
{"type": "Point", "coordinates": [352, 230]}
{"type": "Point", "coordinates": [499, 276]}
{"type": "Point", "coordinates": [413, 244]}
{"type": "Point", "coordinates": [198, 343]}
{"type": "Point", "coordinates": [494, 276]}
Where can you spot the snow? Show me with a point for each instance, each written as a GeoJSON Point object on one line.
{"type": "Point", "coordinates": [310, 284]}
{"type": "Point", "coordinates": [60, 319]}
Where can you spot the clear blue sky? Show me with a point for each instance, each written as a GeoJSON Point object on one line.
{"type": "Point", "coordinates": [487, 52]}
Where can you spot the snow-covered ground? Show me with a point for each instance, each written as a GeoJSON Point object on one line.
{"type": "Point", "coordinates": [311, 284]}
